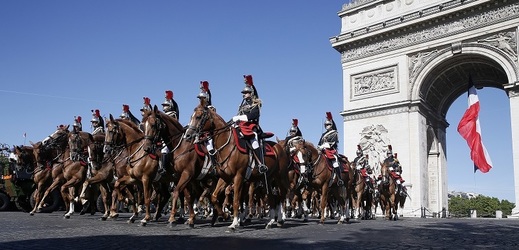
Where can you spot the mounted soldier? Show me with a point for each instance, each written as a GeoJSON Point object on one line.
{"type": "Point", "coordinates": [329, 144]}
{"type": "Point", "coordinates": [362, 165]}
{"type": "Point", "coordinates": [294, 136]}
{"type": "Point", "coordinates": [77, 126]}
{"type": "Point", "coordinates": [127, 114]}
{"type": "Point", "coordinates": [169, 106]}
{"type": "Point", "coordinates": [247, 119]}
{"type": "Point", "coordinates": [98, 125]}
{"type": "Point", "coordinates": [205, 93]}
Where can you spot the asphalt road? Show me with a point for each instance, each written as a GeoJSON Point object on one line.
{"type": "Point", "coordinates": [18, 230]}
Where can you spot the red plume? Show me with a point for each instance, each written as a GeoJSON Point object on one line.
{"type": "Point", "coordinates": [329, 116]}
{"type": "Point", "coordinates": [295, 122]}
{"type": "Point", "coordinates": [389, 147]}
{"type": "Point", "coordinates": [204, 85]}
{"type": "Point", "coordinates": [395, 156]}
{"type": "Point", "coordinates": [169, 94]}
{"type": "Point", "coordinates": [248, 80]}
{"type": "Point", "coordinates": [78, 118]}
{"type": "Point", "coordinates": [97, 113]}
{"type": "Point", "coordinates": [126, 108]}
{"type": "Point", "coordinates": [358, 147]}
{"type": "Point", "coordinates": [146, 100]}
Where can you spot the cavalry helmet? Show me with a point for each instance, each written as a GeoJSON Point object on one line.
{"type": "Point", "coordinates": [77, 122]}
{"type": "Point", "coordinates": [95, 116]}
{"type": "Point", "coordinates": [168, 99]}
{"type": "Point", "coordinates": [147, 105]}
{"type": "Point", "coordinates": [359, 151]}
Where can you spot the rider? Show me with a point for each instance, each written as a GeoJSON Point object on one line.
{"type": "Point", "coordinates": [98, 125]}
{"type": "Point", "coordinates": [248, 119]}
{"type": "Point", "coordinates": [77, 126]}
{"type": "Point", "coordinates": [145, 107]}
{"type": "Point", "coordinates": [127, 114]}
{"type": "Point", "coordinates": [170, 108]}
{"type": "Point", "coordinates": [205, 93]}
{"type": "Point", "coordinates": [329, 143]}
{"type": "Point", "coordinates": [395, 169]}
{"type": "Point", "coordinates": [361, 164]}
{"type": "Point", "coordinates": [294, 136]}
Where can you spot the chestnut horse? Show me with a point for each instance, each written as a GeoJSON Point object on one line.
{"type": "Point", "coordinates": [390, 199]}
{"type": "Point", "coordinates": [239, 168]}
{"type": "Point", "coordinates": [49, 155]}
{"type": "Point", "coordinates": [142, 165]}
{"type": "Point", "coordinates": [321, 181]}
{"type": "Point", "coordinates": [187, 164]}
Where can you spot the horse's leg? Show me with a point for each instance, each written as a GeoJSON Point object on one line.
{"type": "Point", "coordinates": [68, 197]}
{"type": "Point", "coordinates": [117, 195]}
{"type": "Point", "coordinates": [51, 188]}
{"type": "Point", "coordinates": [238, 179]}
{"type": "Point", "coordinates": [252, 187]}
{"type": "Point", "coordinates": [147, 190]}
{"type": "Point", "coordinates": [38, 195]}
{"type": "Point", "coordinates": [214, 200]}
{"type": "Point", "coordinates": [324, 201]}
{"type": "Point", "coordinates": [103, 189]}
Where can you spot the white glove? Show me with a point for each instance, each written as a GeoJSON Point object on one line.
{"type": "Point", "coordinates": [391, 169]}
{"type": "Point", "coordinates": [240, 118]}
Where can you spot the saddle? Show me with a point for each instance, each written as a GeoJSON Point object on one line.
{"type": "Point", "coordinates": [242, 142]}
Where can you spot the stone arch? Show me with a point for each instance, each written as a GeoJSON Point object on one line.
{"type": "Point", "coordinates": [444, 78]}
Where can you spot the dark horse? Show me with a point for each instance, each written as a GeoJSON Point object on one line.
{"type": "Point", "coordinates": [141, 165]}
{"type": "Point", "coordinates": [238, 168]}
{"type": "Point", "coordinates": [50, 155]}
{"type": "Point", "coordinates": [189, 165]}
{"type": "Point", "coordinates": [390, 199]}
{"type": "Point", "coordinates": [321, 181]}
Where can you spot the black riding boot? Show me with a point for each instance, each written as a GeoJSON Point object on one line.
{"type": "Point", "coordinates": [340, 182]}
{"type": "Point", "coordinates": [262, 167]}
{"type": "Point", "coordinates": [163, 163]}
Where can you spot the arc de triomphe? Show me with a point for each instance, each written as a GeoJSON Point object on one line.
{"type": "Point", "coordinates": [405, 62]}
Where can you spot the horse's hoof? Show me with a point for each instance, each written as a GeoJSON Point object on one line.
{"type": "Point", "coordinates": [280, 223]}
{"type": "Point", "coordinates": [220, 219]}
{"type": "Point", "coordinates": [143, 224]}
{"type": "Point", "coordinates": [103, 219]}
{"type": "Point", "coordinates": [67, 216]}
{"type": "Point", "coordinates": [131, 221]}
{"type": "Point", "coordinates": [191, 225]}
{"type": "Point", "coordinates": [31, 213]}
{"type": "Point", "coordinates": [172, 224]}
{"type": "Point", "coordinates": [181, 220]}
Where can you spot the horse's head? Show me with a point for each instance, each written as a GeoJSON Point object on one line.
{"type": "Point", "coordinates": [42, 154]}
{"type": "Point", "coordinates": [24, 157]}
{"type": "Point", "coordinates": [78, 143]}
{"type": "Point", "coordinates": [201, 121]}
{"type": "Point", "coordinates": [384, 172]}
{"type": "Point", "coordinates": [154, 127]}
{"type": "Point", "coordinates": [113, 135]}
{"type": "Point", "coordinates": [58, 138]}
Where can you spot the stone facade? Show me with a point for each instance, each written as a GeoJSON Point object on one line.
{"type": "Point", "coordinates": [401, 60]}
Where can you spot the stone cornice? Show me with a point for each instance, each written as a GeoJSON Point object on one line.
{"type": "Point", "coordinates": [469, 19]}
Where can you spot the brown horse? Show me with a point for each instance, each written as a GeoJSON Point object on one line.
{"type": "Point", "coordinates": [390, 199]}
{"type": "Point", "coordinates": [142, 164]}
{"type": "Point", "coordinates": [188, 166]}
{"type": "Point", "coordinates": [321, 181]}
{"type": "Point", "coordinates": [240, 168]}
{"type": "Point", "coordinates": [49, 155]}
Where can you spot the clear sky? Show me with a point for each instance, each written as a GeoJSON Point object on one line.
{"type": "Point", "coordinates": [60, 59]}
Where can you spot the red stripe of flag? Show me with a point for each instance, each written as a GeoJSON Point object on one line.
{"type": "Point", "coordinates": [470, 130]}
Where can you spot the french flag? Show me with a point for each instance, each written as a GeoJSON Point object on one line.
{"type": "Point", "coordinates": [470, 130]}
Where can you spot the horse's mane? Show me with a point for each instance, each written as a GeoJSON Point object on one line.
{"type": "Point", "coordinates": [171, 121]}
{"type": "Point", "coordinates": [129, 123]}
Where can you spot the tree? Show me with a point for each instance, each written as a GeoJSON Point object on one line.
{"type": "Point", "coordinates": [485, 206]}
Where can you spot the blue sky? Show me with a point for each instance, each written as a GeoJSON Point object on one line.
{"type": "Point", "coordinates": [60, 59]}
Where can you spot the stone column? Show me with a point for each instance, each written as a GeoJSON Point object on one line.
{"type": "Point", "coordinates": [513, 94]}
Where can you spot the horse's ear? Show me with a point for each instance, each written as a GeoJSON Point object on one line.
{"type": "Point", "coordinates": [277, 139]}
{"type": "Point", "coordinates": [111, 118]}
{"type": "Point", "coordinates": [155, 108]}
{"type": "Point", "coordinates": [66, 127]}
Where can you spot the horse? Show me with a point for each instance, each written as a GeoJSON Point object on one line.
{"type": "Point", "coordinates": [363, 194]}
{"type": "Point", "coordinates": [142, 164]}
{"type": "Point", "coordinates": [48, 155]}
{"type": "Point", "coordinates": [82, 154]}
{"type": "Point", "coordinates": [190, 165]}
{"type": "Point", "coordinates": [237, 167]}
{"type": "Point", "coordinates": [390, 199]}
{"type": "Point", "coordinates": [321, 181]}
{"type": "Point", "coordinates": [25, 166]}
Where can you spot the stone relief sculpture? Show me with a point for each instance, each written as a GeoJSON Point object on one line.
{"type": "Point", "coordinates": [502, 41]}
{"type": "Point", "coordinates": [417, 61]}
{"type": "Point", "coordinates": [374, 82]}
{"type": "Point", "coordinates": [374, 140]}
